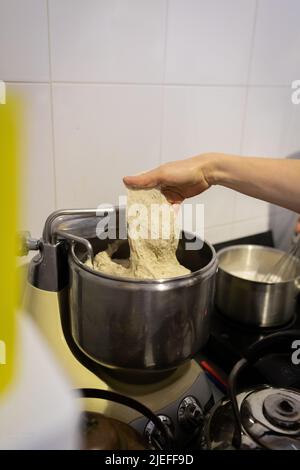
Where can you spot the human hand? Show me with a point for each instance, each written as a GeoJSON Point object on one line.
{"type": "Point", "coordinates": [177, 180]}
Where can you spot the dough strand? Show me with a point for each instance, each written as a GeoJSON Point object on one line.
{"type": "Point", "coordinates": [152, 237]}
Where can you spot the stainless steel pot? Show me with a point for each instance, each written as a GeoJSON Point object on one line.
{"type": "Point", "coordinates": [141, 324]}
{"type": "Point", "coordinates": [253, 302]}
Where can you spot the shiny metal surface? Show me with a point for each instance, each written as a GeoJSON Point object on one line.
{"type": "Point", "coordinates": [49, 269]}
{"type": "Point", "coordinates": [284, 266]}
{"type": "Point", "coordinates": [279, 428]}
{"type": "Point", "coordinates": [252, 302]}
{"type": "Point", "coordinates": [219, 428]}
{"type": "Point", "coordinates": [68, 219]}
{"type": "Point", "coordinates": [77, 239]}
{"type": "Point", "coordinates": [141, 324]}
{"type": "Point", "coordinates": [258, 431]}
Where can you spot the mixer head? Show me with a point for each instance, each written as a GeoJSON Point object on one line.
{"type": "Point", "coordinates": [49, 268]}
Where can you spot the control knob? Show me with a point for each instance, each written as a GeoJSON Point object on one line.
{"type": "Point", "coordinates": [190, 414]}
{"type": "Point", "coordinates": [153, 435]}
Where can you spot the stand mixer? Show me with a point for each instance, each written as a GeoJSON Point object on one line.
{"type": "Point", "coordinates": [179, 393]}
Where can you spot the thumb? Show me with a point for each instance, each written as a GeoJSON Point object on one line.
{"type": "Point", "coordinates": [144, 180]}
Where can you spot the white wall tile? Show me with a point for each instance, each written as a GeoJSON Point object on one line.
{"type": "Point", "coordinates": [209, 41]}
{"type": "Point", "coordinates": [219, 234]}
{"type": "Point", "coordinates": [266, 124]}
{"type": "Point", "coordinates": [249, 207]}
{"type": "Point", "coordinates": [204, 119]}
{"type": "Point", "coordinates": [276, 58]}
{"type": "Point", "coordinates": [267, 121]}
{"type": "Point", "coordinates": [37, 190]}
{"type": "Point", "coordinates": [24, 40]}
{"type": "Point", "coordinates": [107, 40]}
{"type": "Point", "coordinates": [291, 144]}
{"type": "Point", "coordinates": [250, 227]}
{"type": "Point", "coordinates": [219, 206]}
{"type": "Point", "coordinates": [103, 133]}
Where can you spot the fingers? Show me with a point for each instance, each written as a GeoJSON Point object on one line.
{"type": "Point", "coordinates": [144, 180]}
{"type": "Point", "coordinates": [173, 196]}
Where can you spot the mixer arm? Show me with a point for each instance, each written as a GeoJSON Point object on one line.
{"type": "Point", "coordinates": [66, 214]}
{"type": "Point", "coordinates": [49, 270]}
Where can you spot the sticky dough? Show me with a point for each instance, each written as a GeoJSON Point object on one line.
{"type": "Point", "coordinates": [152, 237]}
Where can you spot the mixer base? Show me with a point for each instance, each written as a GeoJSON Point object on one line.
{"type": "Point", "coordinates": [162, 393]}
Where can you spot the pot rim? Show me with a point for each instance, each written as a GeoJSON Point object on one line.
{"type": "Point", "coordinates": [186, 277]}
{"type": "Point", "coordinates": [256, 247]}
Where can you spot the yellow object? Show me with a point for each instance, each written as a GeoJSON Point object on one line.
{"type": "Point", "coordinates": [8, 228]}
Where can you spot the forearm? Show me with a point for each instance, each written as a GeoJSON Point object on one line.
{"type": "Point", "coordinates": [273, 180]}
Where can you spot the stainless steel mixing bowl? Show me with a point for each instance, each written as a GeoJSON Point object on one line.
{"type": "Point", "coordinates": [141, 324]}
{"type": "Point", "coordinates": [253, 302]}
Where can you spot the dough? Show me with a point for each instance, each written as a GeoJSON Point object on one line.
{"type": "Point", "coordinates": [152, 237]}
{"type": "Point", "coordinates": [104, 263]}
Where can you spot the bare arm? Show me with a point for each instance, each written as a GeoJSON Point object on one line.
{"type": "Point", "coordinates": [273, 180]}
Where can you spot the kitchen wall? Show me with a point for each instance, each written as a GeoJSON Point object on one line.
{"type": "Point", "coordinates": [113, 87]}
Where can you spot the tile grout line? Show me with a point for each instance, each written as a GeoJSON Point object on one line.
{"type": "Point", "coordinates": [242, 138]}
{"type": "Point", "coordinates": [52, 108]}
{"type": "Point", "coordinates": [283, 143]}
{"type": "Point", "coordinates": [28, 82]}
{"type": "Point", "coordinates": [251, 52]}
{"type": "Point", "coordinates": [162, 110]}
{"type": "Point", "coordinates": [240, 221]}
{"type": "Point", "coordinates": [166, 84]}
{"type": "Point", "coordinates": [252, 43]}
{"type": "Point", "coordinates": [170, 84]}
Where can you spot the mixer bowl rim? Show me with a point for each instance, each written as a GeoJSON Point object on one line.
{"type": "Point", "coordinates": [254, 247]}
{"type": "Point", "coordinates": [185, 277]}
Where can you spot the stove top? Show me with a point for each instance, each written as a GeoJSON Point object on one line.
{"type": "Point", "coordinates": [229, 340]}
